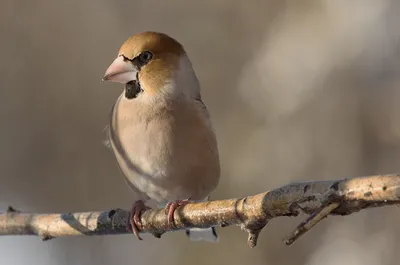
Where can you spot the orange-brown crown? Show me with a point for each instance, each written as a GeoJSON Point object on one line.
{"type": "Point", "coordinates": [155, 42]}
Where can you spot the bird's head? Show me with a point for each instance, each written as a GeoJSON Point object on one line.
{"type": "Point", "coordinates": [153, 65]}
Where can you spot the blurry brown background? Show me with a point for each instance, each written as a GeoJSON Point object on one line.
{"type": "Point", "coordinates": [298, 90]}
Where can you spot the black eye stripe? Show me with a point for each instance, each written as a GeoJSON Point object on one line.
{"type": "Point", "coordinates": [140, 60]}
{"type": "Point", "coordinates": [126, 58]}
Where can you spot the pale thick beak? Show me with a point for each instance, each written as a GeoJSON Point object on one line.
{"type": "Point", "coordinates": [120, 71]}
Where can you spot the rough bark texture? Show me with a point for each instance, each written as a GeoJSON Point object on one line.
{"type": "Point", "coordinates": [316, 198]}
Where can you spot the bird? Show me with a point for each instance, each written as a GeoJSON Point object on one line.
{"type": "Point", "coordinates": [160, 130]}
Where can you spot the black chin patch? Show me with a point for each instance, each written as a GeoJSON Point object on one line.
{"type": "Point", "coordinates": [132, 89]}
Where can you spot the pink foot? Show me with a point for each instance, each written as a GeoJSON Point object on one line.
{"type": "Point", "coordinates": [172, 206]}
{"type": "Point", "coordinates": [134, 217]}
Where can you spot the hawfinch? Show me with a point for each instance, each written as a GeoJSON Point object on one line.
{"type": "Point", "coordinates": [160, 130]}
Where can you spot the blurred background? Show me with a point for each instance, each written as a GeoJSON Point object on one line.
{"type": "Point", "coordinates": [297, 90]}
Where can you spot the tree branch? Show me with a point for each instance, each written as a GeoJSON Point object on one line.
{"type": "Point", "coordinates": [316, 198]}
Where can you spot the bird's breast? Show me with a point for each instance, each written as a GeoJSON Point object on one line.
{"type": "Point", "coordinates": [169, 154]}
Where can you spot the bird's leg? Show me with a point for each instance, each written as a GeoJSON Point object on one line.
{"type": "Point", "coordinates": [134, 217]}
{"type": "Point", "coordinates": [172, 206]}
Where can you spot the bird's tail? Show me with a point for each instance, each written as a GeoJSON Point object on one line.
{"type": "Point", "coordinates": [202, 234]}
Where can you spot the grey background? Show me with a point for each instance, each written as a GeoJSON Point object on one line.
{"type": "Point", "coordinates": [297, 90]}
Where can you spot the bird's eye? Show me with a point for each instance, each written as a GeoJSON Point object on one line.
{"type": "Point", "coordinates": [145, 57]}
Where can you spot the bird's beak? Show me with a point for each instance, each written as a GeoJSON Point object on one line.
{"type": "Point", "coordinates": [120, 71]}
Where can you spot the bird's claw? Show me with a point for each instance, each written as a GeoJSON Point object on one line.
{"type": "Point", "coordinates": [172, 206]}
{"type": "Point", "coordinates": [134, 217]}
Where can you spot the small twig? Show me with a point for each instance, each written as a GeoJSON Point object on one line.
{"type": "Point", "coordinates": [311, 221]}
{"type": "Point", "coordinates": [316, 198]}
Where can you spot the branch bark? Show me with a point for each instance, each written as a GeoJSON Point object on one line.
{"type": "Point", "coordinates": [318, 199]}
